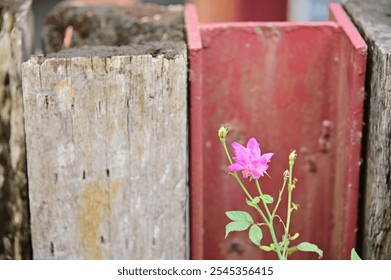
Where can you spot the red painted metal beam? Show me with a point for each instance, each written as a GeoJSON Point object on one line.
{"type": "Point", "coordinates": [351, 52]}
{"type": "Point", "coordinates": [292, 86]}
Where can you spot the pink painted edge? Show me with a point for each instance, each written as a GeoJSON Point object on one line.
{"type": "Point", "coordinates": [338, 15]}
{"type": "Point", "coordinates": [192, 27]}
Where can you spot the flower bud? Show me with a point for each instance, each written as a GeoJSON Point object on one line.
{"type": "Point", "coordinates": [292, 156]}
{"type": "Point", "coordinates": [223, 131]}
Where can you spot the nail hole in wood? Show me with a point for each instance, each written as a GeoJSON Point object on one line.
{"type": "Point", "coordinates": [52, 248]}
{"type": "Point", "coordinates": [47, 101]}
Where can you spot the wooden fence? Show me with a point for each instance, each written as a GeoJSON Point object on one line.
{"type": "Point", "coordinates": [372, 18]}
{"type": "Point", "coordinates": [15, 46]}
{"type": "Point", "coordinates": [107, 133]}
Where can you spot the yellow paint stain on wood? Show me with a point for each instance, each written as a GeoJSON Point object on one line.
{"type": "Point", "coordinates": [95, 207]}
{"type": "Point", "coordinates": [110, 191]}
{"type": "Point", "coordinates": [91, 220]}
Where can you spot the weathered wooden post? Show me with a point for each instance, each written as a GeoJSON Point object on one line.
{"type": "Point", "coordinates": [373, 20]}
{"type": "Point", "coordinates": [106, 132]}
{"type": "Point", "coordinates": [16, 37]}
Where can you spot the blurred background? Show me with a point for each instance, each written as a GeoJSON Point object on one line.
{"type": "Point", "coordinates": [219, 10]}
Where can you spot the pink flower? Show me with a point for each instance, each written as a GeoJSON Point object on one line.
{"type": "Point", "coordinates": [249, 160]}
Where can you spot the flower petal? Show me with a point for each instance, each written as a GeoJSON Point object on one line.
{"type": "Point", "coordinates": [253, 147]}
{"type": "Point", "coordinates": [239, 150]}
{"type": "Point", "coordinates": [256, 174]}
{"type": "Point", "coordinates": [249, 159]}
{"type": "Point", "coordinates": [236, 167]}
{"type": "Point", "coordinates": [267, 156]}
{"type": "Point", "coordinates": [246, 173]}
{"type": "Point", "coordinates": [262, 168]}
{"type": "Point", "coordinates": [252, 144]}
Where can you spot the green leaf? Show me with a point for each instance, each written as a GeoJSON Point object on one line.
{"type": "Point", "coordinates": [241, 221]}
{"type": "Point", "coordinates": [256, 200]}
{"type": "Point", "coordinates": [236, 226]}
{"type": "Point", "coordinates": [267, 198]}
{"type": "Point", "coordinates": [266, 248]}
{"type": "Point", "coordinates": [309, 247]}
{"type": "Point", "coordinates": [253, 202]}
{"type": "Point", "coordinates": [292, 250]}
{"type": "Point", "coordinates": [354, 256]}
{"type": "Point", "coordinates": [295, 236]}
{"type": "Point", "coordinates": [255, 234]}
{"type": "Point", "coordinates": [239, 216]}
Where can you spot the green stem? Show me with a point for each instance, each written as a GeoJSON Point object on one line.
{"type": "Point", "coordinates": [270, 221]}
{"type": "Point", "coordinates": [273, 234]}
{"type": "Point", "coordinates": [243, 187]}
{"type": "Point", "coordinates": [226, 150]}
{"type": "Point", "coordinates": [279, 198]}
{"type": "Point", "coordinates": [289, 211]}
{"type": "Point", "coordinates": [264, 203]}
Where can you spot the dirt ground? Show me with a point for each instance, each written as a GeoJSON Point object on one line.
{"type": "Point", "coordinates": [168, 49]}
{"type": "Point", "coordinates": [111, 25]}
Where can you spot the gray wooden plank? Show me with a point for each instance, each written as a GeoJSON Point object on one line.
{"type": "Point", "coordinates": [16, 33]}
{"type": "Point", "coordinates": [373, 19]}
{"type": "Point", "coordinates": [107, 155]}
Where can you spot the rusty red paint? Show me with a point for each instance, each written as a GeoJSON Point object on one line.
{"type": "Point", "coordinates": [292, 86]}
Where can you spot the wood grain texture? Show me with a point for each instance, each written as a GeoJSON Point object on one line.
{"type": "Point", "coordinates": [107, 155]}
{"type": "Point", "coordinates": [15, 46]}
{"type": "Point", "coordinates": [373, 19]}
